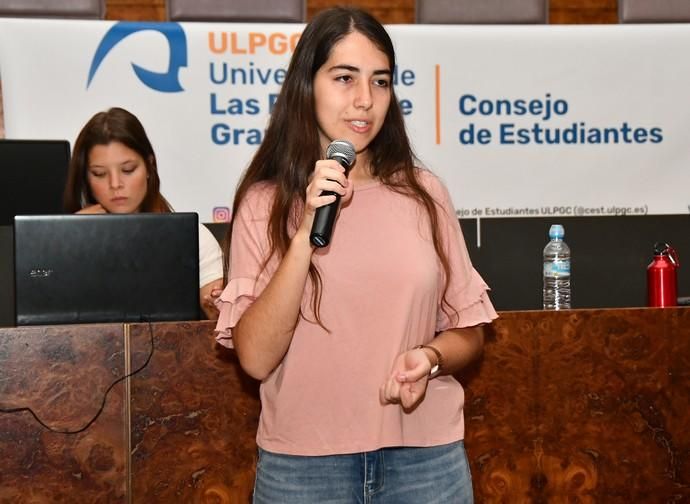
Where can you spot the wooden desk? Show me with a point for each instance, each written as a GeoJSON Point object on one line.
{"type": "Point", "coordinates": [582, 406]}
{"type": "Point", "coordinates": [179, 431]}
{"type": "Point", "coordinates": [576, 406]}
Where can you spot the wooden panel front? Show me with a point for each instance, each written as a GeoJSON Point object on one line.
{"type": "Point", "coordinates": [582, 406]}
{"type": "Point", "coordinates": [194, 417]}
{"type": "Point", "coordinates": [62, 374]}
{"type": "Point", "coordinates": [573, 406]}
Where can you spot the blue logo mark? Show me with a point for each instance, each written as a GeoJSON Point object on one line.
{"type": "Point", "coordinates": [166, 82]}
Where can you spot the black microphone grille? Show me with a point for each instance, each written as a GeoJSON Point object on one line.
{"type": "Point", "coordinates": [342, 149]}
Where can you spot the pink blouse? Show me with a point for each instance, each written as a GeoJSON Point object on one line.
{"type": "Point", "coordinates": [382, 287]}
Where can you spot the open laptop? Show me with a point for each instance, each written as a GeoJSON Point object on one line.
{"type": "Point", "coordinates": [72, 269]}
{"type": "Point", "coordinates": [33, 174]}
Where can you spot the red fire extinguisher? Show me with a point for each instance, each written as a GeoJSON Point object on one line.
{"type": "Point", "coordinates": [662, 278]}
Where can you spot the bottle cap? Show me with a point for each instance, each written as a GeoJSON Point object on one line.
{"type": "Point", "coordinates": [660, 248]}
{"type": "Point", "coordinates": [664, 249]}
{"type": "Point", "coordinates": [556, 231]}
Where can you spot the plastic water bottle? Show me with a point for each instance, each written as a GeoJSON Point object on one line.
{"type": "Point", "coordinates": [556, 293]}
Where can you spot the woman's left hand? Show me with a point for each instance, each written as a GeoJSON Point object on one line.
{"type": "Point", "coordinates": [209, 294]}
{"type": "Point", "coordinates": [408, 379]}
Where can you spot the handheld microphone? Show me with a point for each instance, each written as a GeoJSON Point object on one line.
{"type": "Point", "coordinates": [322, 228]}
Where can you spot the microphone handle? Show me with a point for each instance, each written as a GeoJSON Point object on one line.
{"type": "Point", "coordinates": [322, 228]}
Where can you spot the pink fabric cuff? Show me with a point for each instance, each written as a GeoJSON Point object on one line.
{"type": "Point", "coordinates": [472, 304]}
{"type": "Point", "coordinates": [237, 296]}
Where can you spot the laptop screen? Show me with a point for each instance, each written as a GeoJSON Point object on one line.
{"type": "Point", "coordinates": [33, 174]}
{"type": "Point", "coordinates": [73, 269]}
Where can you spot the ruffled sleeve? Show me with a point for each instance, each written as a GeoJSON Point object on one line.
{"type": "Point", "coordinates": [467, 293]}
{"type": "Point", "coordinates": [248, 275]}
{"type": "Point", "coordinates": [472, 304]}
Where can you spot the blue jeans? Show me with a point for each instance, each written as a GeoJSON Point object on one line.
{"type": "Point", "coordinates": [434, 475]}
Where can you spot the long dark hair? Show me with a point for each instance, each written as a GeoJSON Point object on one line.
{"type": "Point", "coordinates": [287, 154]}
{"type": "Point", "coordinates": [113, 125]}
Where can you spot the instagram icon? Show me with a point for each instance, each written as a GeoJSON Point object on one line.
{"type": "Point", "coordinates": [221, 214]}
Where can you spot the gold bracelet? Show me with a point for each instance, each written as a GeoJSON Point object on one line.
{"type": "Point", "coordinates": [435, 370]}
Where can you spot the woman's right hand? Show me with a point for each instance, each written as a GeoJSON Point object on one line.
{"type": "Point", "coordinates": [328, 175]}
{"type": "Point", "coordinates": [93, 209]}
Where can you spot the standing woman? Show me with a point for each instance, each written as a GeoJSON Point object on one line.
{"type": "Point", "coordinates": [113, 170]}
{"type": "Point", "coordinates": [355, 344]}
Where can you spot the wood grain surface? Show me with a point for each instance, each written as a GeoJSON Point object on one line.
{"type": "Point", "coordinates": [580, 406]}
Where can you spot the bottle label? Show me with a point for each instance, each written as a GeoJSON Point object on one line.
{"type": "Point", "coordinates": [557, 269]}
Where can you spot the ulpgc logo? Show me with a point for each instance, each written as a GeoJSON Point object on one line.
{"type": "Point", "coordinates": [167, 82]}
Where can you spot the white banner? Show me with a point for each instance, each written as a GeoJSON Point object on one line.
{"type": "Point", "coordinates": [518, 120]}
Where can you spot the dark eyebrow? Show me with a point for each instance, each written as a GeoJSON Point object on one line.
{"type": "Point", "coordinates": [127, 161]}
{"type": "Point", "coordinates": [352, 68]}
